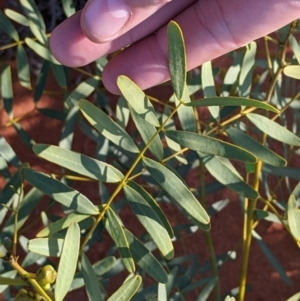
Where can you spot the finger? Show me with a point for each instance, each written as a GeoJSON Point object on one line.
{"type": "Point", "coordinates": [211, 28]}
{"type": "Point", "coordinates": [104, 20]}
{"type": "Point", "coordinates": [71, 47]}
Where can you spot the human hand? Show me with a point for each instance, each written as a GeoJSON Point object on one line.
{"type": "Point", "coordinates": [210, 27]}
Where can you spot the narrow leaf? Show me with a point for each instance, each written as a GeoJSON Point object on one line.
{"type": "Point", "coordinates": [273, 129]}
{"type": "Point", "coordinates": [177, 59]}
{"type": "Point", "coordinates": [23, 67]}
{"type": "Point", "coordinates": [150, 221]}
{"type": "Point", "coordinates": [293, 214]}
{"type": "Point", "coordinates": [272, 259]}
{"type": "Point", "coordinates": [115, 230]}
{"type": "Point", "coordinates": [211, 145]}
{"type": "Point", "coordinates": [8, 153]}
{"type": "Point", "coordinates": [154, 206]}
{"type": "Point", "coordinates": [84, 89]}
{"type": "Point", "coordinates": [137, 100]}
{"type": "Point", "coordinates": [16, 17]}
{"type": "Point", "coordinates": [41, 81]}
{"type": "Point", "coordinates": [207, 290]}
{"type": "Point", "coordinates": [8, 28]}
{"type": "Point", "coordinates": [6, 89]}
{"type": "Point", "coordinates": [107, 127]}
{"type": "Point", "coordinates": [292, 71]}
{"type": "Point", "coordinates": [68, 262]}
{"type": "Point", "coordinates": [60, 192]}
{"type": "Point", "coordinates": [227, 176]}
{"type": "Point", "coordinates": [68, 7]}
{"type": "Point", "coordinates": [59, 74]}
{"type": "Point", "coordinates": [261, 152]}
{"type": "Point", "coordinates": [245, 79]}
{"type": "Point", "coordinates": [24, 136]}
{"type": "Point", "coordinates": [79, 163]}
{"type": "Point", "coordinates": [147, 132]}
{"type": "Point", "coordinates": [175, 187]}
{"type": "Point", "coordinates": [208, 85]}
{"type": "Point", "coordinates": [36, 22]}
{"type": "Point", "coordinates": [127, 290]}
{"type": "Point", "coordinates": [46, 246]}
{"type": "Point", "coordinates": [186, 114]}
{"type": "Point", "coordinates": [62, 223]}
{"type": "Point", "coordinates": [145, 259]}
{"type": "Point", "coordinates": [41, 50]}
{"type": "Point", "coordinates": [232, 101]}
{"type": "Point", "coordinates": [90, 279]}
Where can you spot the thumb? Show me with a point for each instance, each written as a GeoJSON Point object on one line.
{"type": "Point", "coordinates": [104, 20]}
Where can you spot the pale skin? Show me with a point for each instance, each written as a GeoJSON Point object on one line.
{"type": "Point", "coordinates": [211, 28]}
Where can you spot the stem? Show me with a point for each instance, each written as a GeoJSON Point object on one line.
{"type": "Point", "coordinates": [125, 180]}
{"type": "Point", "coordinates": [24, 274]}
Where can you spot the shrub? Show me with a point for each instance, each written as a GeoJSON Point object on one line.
{"type": "Point", "coordinates": [231, 129]}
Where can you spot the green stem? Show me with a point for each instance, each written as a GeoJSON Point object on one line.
{"type": "Point", "coordinates": [125, 180]}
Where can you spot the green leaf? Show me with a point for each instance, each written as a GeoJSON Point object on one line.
{"type": "Point", "coordinates": [207, 290]}
{"type": "Point", "coordinates": [186, 114]}
{"type": "Point", "coordinates": [292, 71]}
{"type": "Point", "coordinates": [79, 163]}
{"type": "Point", "coordinates": [24, 136]}
{"type": "Point", "coordinates": [60, 192]}
{"type": "Point", "coordinates": [145, 259]}
{"type": "Point", "coordinates": [272, 259]}
{"type": "Point", "coordinates": [147, 132]}
{"type": "Point", "coordinates": [137, 100]}
{"type": "Point", "coordinates": [273, 129]}
{"type": "Point", "coordinates": [227, 176]}
{"type": "Point", "coordinates": [7, 90]}
{"type": "Point", "coordinates": [16, 17]}
{"type": "Point", "coordinates": [116, 232]}
{"type": "Point", "coordinates": [41, 81]}
{"type": "Point", "coordinates": [245, 79]}
{"type": "Point", "coordinates": [107, 127]}
{"type": "Point", "coordinates": [8, 153]}
{"type": "Point", "coordinates": [59, 74]}
{"type": "Point", "coordinates": [27, 205]}
{"type": "Point", "coordinates": [295, 297]}
{"type": "Point", "coordinates": [173, 146]}
{"type": "Point", "coordinates": [84, 89]}
{"type": "Point", "coordinates": [122, 112]}
{"type": "Point", "coordinates": [175, 187]}
{"type": "Point", "coordinates": [210, 145]}
{"type": "Point", "coordinates": [295, 46]}
{"type": "Point", "coordinates": [68, 7]}
{"type": "Point", "coordinates": [232, 101]}
{"type": "Point", "coordinates": [154, 206]}
{"type": "Point", "coordinates": [127, 290]}
{"type": "Point", "coordinates": [59, 115]}
{"type": "Point", "coordinates": [177, 59]}
{"type": "Point", "coordinates": [62, 223]}
{"type": "Point", "coordinates": [68, 130]}
{"type": "Point", "coordinates": [41, 50]}
{"type": "Point", "coordinates": [293, 214]}
{"type": "Point", "coordinates": [36, 22]}
{"type": "Point", "coordinates": [92, 284]}
{"type": "Point", "coordinates": [209, 90]}
{"type": "Point", "coordinates": [104, 265]}
{"type": "Point", "coordinates": [8, 27]}
{"type": "Point", "coordinates": [23, 67]}
{"type": "Point", "coordinates": [46, 246]}
{"type": "Point", "coordinates": [150, 221]}
{"type": "Point", "coordinates": [261, 152]}
{"type": "Point", "coordinates": [68, 262]}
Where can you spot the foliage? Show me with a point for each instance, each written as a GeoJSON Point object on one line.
{"type": "Point", "coordinates": [144, 151]}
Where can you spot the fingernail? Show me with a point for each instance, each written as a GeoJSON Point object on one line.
{"type": "Point", "coordinates": [105, 18]}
